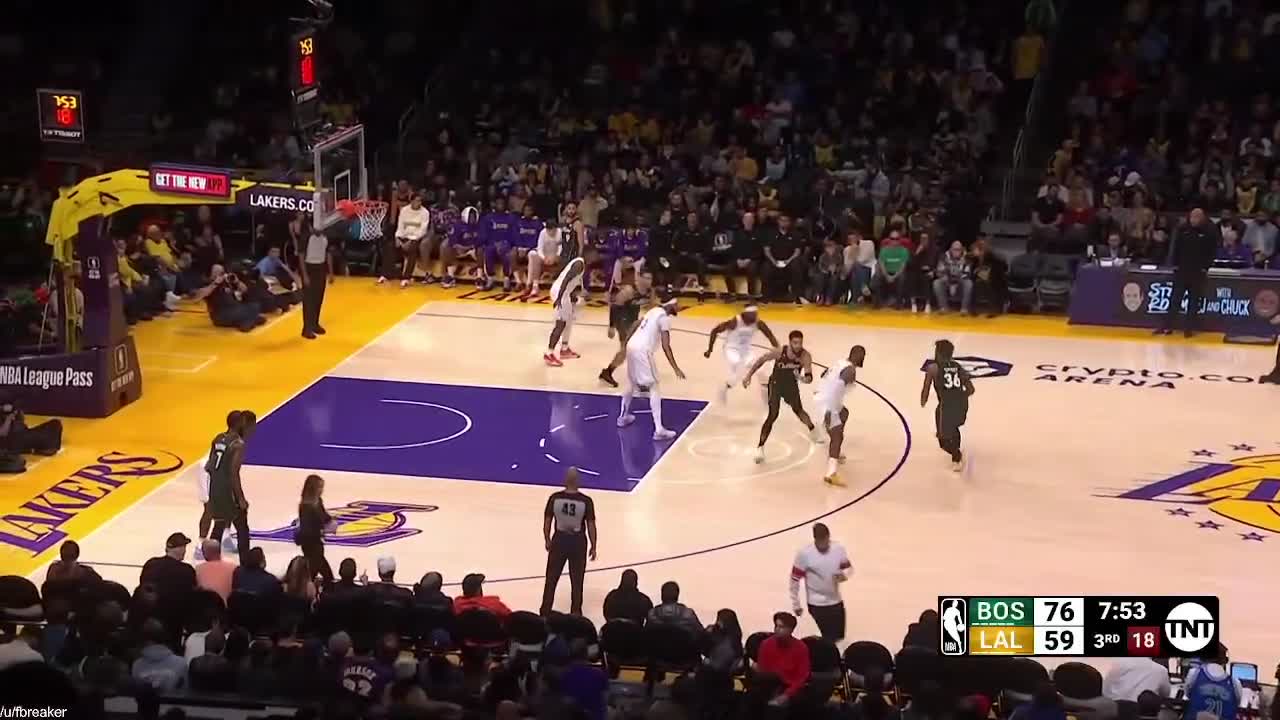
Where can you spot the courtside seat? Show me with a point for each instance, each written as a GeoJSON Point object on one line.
{"type": "Point", "coordinates": [826, 673]}
{"type": "Point", "coordinates": [670, 648]}
{"type": "Point", "coordinates": [912, 666]}
{"type": "Point", "coordinates": [1055, 279]}
{"type": "Point", "coordinates": [259, 614]}
{"type": "Point", "coordinates": [1078, 681]}
{"type": "Point", "coordinates": [751, 648]}
{"type": "Point", "coordinates": [576, 627]}
{"type": "Point", "coordinates": [20, 599]}
{"type": "Point", "coordinates": [1024, 281]}
{"type": "Point", "coordinates": [864, 657]}
{"type": "Point", "coordinates": [200, 607]}
{"type": "Point", "coordinates": [623, 644]}
{"type": "Point", "coordinates": [528, 633]}
{"type": "Point", "coordinates": [430, 622]}
{"type": "Point", "coordinates": [350, 611]}
{"type": "Point", "coordinates": [1020, 681]}
{"type": "Point", "coordinates": [482, 629]}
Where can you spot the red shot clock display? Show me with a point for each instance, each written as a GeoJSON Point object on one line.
{"type": "Point", "coordinates": [61, 115]}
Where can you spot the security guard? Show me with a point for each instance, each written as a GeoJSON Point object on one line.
{"type": "Point", "coordinates": [568, 514]}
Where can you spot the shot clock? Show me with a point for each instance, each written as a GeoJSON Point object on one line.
{"type": "Point", "coordinates": [304, 82]}
{"type": "Point", "coordinates": [61, 115]}
{"type": "Point", "coordinates": [1089, 626]}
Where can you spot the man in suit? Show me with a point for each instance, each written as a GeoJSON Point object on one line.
{"type": "Point", "coordinates": [1190, 254]}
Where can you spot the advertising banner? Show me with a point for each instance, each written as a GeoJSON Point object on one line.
{"type": "Point", "coordinates": [1238, 302]}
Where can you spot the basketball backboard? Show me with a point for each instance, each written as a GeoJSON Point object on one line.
{"type": "Point", "coordinates": [339, 173]}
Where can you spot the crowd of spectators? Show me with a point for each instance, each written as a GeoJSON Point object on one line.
{"type": "Point", "coordinates": [1180, 111]}
{"type": "Point", "coordinates": [354, 647]}
{"type": "Point", "coordinates": [797, 151]}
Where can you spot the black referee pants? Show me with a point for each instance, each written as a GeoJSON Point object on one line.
{"type": "Point", "coordinates": [568, 548]}
{"type": "Point", "coordinates": [830, 621]}
{"type": "Point", "coordinates": [313, 295]}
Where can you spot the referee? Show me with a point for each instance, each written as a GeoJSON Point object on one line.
{"type": "Point", "coordinates": [316, 273]}
{"type": "Point", "coordinates": [568, 511]}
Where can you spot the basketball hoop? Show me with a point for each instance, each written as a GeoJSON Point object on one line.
{"type": "Point", "coordinates": [371, 213]}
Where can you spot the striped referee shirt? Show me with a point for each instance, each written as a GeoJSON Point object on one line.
{"type": "Point", "coordinates": [571, 511]}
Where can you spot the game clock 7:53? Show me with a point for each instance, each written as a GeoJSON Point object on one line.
{"type": "Point", "coordinates": [61, 115]}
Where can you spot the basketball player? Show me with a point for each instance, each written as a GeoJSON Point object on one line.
{"type": "Point", "coordinates": [740, 332]}
{"type": "Point", "coordinates": [829, 399]}
{"type": "Point", "coordinates": [572, 517]}
{"type": "Point", "coordinates": [624, 314]}
{"type": "Point", "coordinates": [954, 388]}
{"type": "Point", "coordinates": [791, 363]}
{"type": "Point", "coordinates": [642, 376]}
{"type": "Point", "coordinates": [546, 256]}
{"type": "Point", "coordinates": [217, 445]}
{"type": "Point", "coordinates": [528, 228]}
{"type": "Point", "coordinates": [227, 503]}
{"type": "Point", "coordinates": [463, 243]}
{"type": "Point", "coordinates": [565, 294]}
{"type": "Point", "coordinates": [497, 236]}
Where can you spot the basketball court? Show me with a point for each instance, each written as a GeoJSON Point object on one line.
{"type": "Point", "coordinates": [1095, 466]}
{"type": "Point", "coordinates": [1099, 461]}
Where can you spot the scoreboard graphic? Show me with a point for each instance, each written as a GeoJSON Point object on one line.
{"type": "Point", "coordinates": [1095, 626]}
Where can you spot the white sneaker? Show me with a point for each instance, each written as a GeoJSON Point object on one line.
{"type": "Point", "coordinates": [404, 284]}
{"type": "Point", "coordinates": [758, 455]}
{"type": "Point", "coordinates": [914, 309]}
{"type": "Point", "coordinates": [819, 437]}
{"type": "Point", "coordinates": [957, 465]}
{"type": "Point", "coordinates": [171, 301]}
{"type": "Point", "coordinates": [382, 280]}
{"type": "Point", "coordinates": [663, 434]}
{"type": "Point", "coordinates": [927, 309]}
{"type": "Point", "coordinates": [626, 420]}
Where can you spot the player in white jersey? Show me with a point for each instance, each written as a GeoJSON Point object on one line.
{"type": "Point", "coordinates": [739, 332]}
{"type": "Point", "coordinates": [565, 293]}
{"type": "Point", "coordinates": [654, 330]}
{"type": "Point", "coordinates": [829, 400]}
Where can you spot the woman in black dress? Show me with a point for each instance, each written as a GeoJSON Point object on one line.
{"type": "Point", "coordinates": [313, 521]}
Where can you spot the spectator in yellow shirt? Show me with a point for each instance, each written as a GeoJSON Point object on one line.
{"type": "Point", "coordinates": [743, 166]}
{"type": "Point", "coordinates": [141, 302]}
{"type": "Point", "coordinates": [624, 123]}
{"type": "Point", "coordinates": [158, 247]}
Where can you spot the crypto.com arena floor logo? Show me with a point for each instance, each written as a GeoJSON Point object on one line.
{"type": "Point", "coordinates": [979, 367]}
{"type": "Point", "coordinates": [1244, 489]}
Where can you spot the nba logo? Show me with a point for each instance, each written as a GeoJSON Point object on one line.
{"type": "Point", "coordinates": [953, 628]}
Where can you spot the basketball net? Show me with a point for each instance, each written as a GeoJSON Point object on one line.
{"type": "Point", "coordinates": [371, 213]}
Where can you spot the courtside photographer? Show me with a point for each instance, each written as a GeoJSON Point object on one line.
{"type": "Point", "coordinates": [226, 298]}
{"type": "Point", "coordinates": [17, 438]}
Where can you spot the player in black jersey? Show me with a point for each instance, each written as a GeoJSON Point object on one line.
{"type": "Point", "coordinates": [227, 503]}
{"type": "Point", "coordinates": [629, 301]}
{"type": "Point", "coordinates": [217, 450]}
{"type": "Point", "coordinates": [954, 388]}
{"type": "Point", "coordinates": [791, 365]}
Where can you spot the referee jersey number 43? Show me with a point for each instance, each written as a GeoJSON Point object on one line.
{"type": "Point", "coordinates": [570, 511]}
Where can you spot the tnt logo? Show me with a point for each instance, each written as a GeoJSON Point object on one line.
{"type": "Point", "coordinates": [1190, 627]}
{"type": "Point", "coordinates": [978, 367]}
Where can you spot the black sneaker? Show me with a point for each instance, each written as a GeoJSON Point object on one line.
{"type": "Point", "coordinates": [1162, 331]}
{"type": "Point", "coordinates": [317, 330]}
{"type": "Point", "coordinates": [506, 285]}
{"type": "Point", "coordinates": [606, 376]}
{"type": "Point", "coordinates": [448, 282]}
{"type": "Point", "coordinates": [1272, 377]}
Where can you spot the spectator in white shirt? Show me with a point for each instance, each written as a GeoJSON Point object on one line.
{"type": "Point", "coordinates": [411, 228]}
{"type": "Point", "coordinates": [1130, 677]}
{"type": "Point", "coordinates": [822, 566]}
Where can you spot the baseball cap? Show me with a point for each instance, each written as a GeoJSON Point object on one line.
{"type": "Point", "coordinates": [1132, 179]}
{"type": "Point", "coordinates": [386, 564]}
{"type": "Point", "coordinates": [176, 540]}
{"type": "Point", "coordinates": [472, 582]}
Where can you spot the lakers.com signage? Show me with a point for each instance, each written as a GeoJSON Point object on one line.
{"type": "Point", "coordinates": [36, 525]}
{"type": "Point", "coordinates": [283, 199]}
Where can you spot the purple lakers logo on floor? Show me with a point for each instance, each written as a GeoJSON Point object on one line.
{"type": "Point", "coordinates": [363, 523]}
{"type": "Point", "coordinates": [465, 433]}
{"type": "Point", "coordinates": [1244, 489]}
